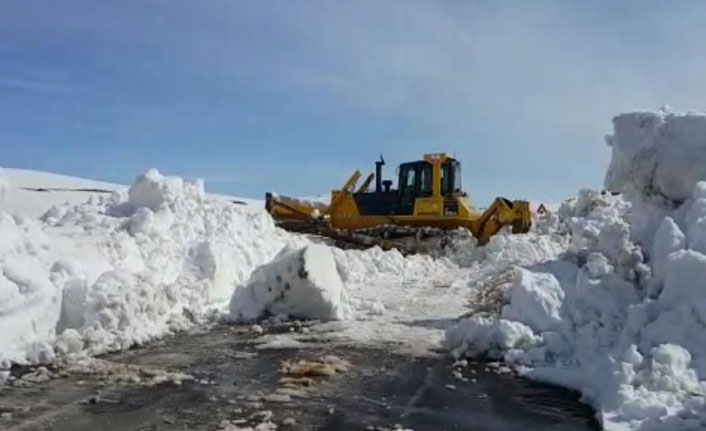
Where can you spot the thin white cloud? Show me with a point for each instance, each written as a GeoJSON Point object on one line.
{"type": "Point", "coordinates": [29, 84]}
{"type": "Point", "coordinates": [522, 91]}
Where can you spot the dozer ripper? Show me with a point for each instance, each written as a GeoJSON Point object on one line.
{"type": "Point", "coordinates": [428, 201]}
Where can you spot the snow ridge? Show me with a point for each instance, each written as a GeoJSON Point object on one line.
{"type": "Point", "coordinates": [121, 270]}
{"type": "Point", "coordinates": [619, 316]}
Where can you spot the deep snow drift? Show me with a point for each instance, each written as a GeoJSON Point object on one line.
{"type": "Point", "coordinates": [620, 316]}
{"type": "Point", "coordinates": [122, 269]}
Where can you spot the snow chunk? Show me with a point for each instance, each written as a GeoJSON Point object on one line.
{"type": "Point", "coordinates": [695, 219]}
{"type": "Point", "coordinates": [536, 300]}
{"type": "Point", "coordinates": [69, 342]}
{"type": "Point", "coordinates": [479, 335]}
{"type": "Point", "coordinates": [152, 189]}
{"type": "Point", "coordinates": [300, 283]}
{"type": "Point", "coordinates": [685, 272]}
{"type": "Point", "coordinates": [670, 369]}
{"type": "Point", "coordinates": [669, 238]}
{"type": "Point", "coordinates": [657, 155]}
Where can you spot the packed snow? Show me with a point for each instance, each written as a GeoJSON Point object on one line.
{"type": "Point", "coordinates": [657, 155]}
{"type": "Point", "coordinates": [302, 283]}
{"type": "Point", "coordinates": [123, 269]}
{"type": "Point", "coordinates": [619, 315]}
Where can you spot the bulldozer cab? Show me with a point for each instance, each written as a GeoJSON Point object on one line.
{"type": "Point", "coordinates": [418, 179]}
{"type": "Point", "coordinates": [415, 180]}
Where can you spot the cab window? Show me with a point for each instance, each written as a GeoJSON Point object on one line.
{"type": "Point", "coordinates": [451, 178]}
{"type": "Point", "coordinates": [410, 179]}
{"type": "Point", "coordinates": [446, 179]}
{"type": "Point", "coordinates": [425, 173]}
{"type": "Point", "coordinates": [457, 176]}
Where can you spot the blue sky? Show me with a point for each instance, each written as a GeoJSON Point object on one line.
{"type": "Point", "coordinates": [292, 96]}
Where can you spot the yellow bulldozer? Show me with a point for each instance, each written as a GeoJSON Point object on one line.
{"type": "Point", "coordinates": [428, 200]}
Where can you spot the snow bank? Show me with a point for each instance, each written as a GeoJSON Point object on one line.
{"type": "Point", "coordinates": [657, 155]}
{"type": "Point", "coordinates": [620, 314]}
{"type": "Point", "coordinates": [29, 300]}
{"type": "Point", "coordinates": [300, 283]}
{"type": "Point", "coordinates": [657, 160]}
{"type": "Point", "coordinates": [121, 270]}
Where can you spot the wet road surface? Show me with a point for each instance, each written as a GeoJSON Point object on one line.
{"type": "Point", "coordinates": [235, 380]}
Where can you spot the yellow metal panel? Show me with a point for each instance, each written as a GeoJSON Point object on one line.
{"type": "Point", "coordinates": [287, 208]}
{"type": "Point", "coordinates": [432, 206]}
{"type": "Point", "coordinates": [436, 179]}
{"type": "Point", "coordinates": [436, 157]}
{"type": "Point", "coordinates": [346, 190]}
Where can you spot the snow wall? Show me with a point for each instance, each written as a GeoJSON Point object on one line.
{"type": "Point", "coordinates": [621, 316]}
{"type": "Point", "coordinates": [122, 270]}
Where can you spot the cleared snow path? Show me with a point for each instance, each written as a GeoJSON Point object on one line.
{"type": "Point", "coordinates": [409, 302]}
